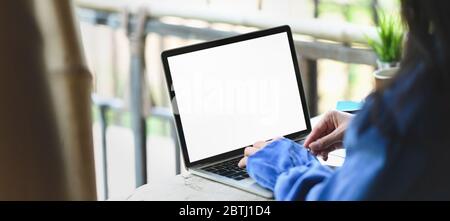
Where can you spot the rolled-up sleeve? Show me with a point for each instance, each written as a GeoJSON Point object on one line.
{"type": "Point", "coordinates": [287, 169]}
{"type": "Point", "coordinates": [292, 173]}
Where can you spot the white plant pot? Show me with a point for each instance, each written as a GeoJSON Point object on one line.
{"type": "Point", "coordinates": [384, 76]}
{"type": "Point", "coordinates": [387, 65]}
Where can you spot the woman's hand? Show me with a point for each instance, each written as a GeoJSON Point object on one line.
{"type": "Point", "coordinates": [327, 135]}
{"type": "Point", "coordinates": [252, 150]}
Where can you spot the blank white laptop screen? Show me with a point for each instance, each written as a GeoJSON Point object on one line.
{"type": "Point", "coordinates": [230, 96]}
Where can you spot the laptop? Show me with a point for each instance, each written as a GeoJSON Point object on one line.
{"type": "Point", "coordinates": [229, 93]}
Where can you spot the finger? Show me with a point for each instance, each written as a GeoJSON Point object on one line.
{"type": "Point", "coordinates": [335, 146]}
{"type": "Point", "coordinates": [243, 162]}
{"type": "Point", "coordinates": [250, 151]}
{"type": "Point", "coordinates": [315, 133]}
{"type": "Point", "coordinates": [259, 144]}
{"type": "Point", "coordinates": [318, 131]}
{"type": "Point", "coordinates": [274, 139]}
{"type": "Point", "coordinates": [324, 153]}
{"type": "Point", "coordinates": [329, 149]}
{"type": "Point", "coordinates": [325, 142]}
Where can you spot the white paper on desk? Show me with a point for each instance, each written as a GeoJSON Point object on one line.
{"type": "Point", "coordinates": [335, 158]}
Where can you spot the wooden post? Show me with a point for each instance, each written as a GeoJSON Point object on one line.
{"type": "Point", "coordinates": [46, 148]}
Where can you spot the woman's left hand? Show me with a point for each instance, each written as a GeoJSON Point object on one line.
{"type": "Point", "coordinates": [252, 150]}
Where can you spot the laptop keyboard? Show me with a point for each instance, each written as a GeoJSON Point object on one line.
{"type": "Point", "coordinates": [228, 169]}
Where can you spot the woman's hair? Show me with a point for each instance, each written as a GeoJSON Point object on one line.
{"type": "Point", "coordinates": [426, 54]}
{"type": "Point", "coordinates": [428, 41]}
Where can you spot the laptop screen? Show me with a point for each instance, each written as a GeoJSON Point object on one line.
{"type": "Point", "coordinates": [232, 95]}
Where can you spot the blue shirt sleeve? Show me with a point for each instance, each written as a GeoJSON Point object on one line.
{"type": "Point", "coordinates": [287, 169]}
{"type": "Point", "coordinates": [292, 173]}
{"type": "Point", "coordinates": [276, 159]}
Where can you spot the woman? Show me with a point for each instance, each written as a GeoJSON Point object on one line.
{"type": "Point", "coordinates": [398, 145]}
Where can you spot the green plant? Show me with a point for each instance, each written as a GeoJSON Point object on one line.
{"type": "Point", "coordinates": [388, 44]}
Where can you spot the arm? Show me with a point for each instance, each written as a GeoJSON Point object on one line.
{"type": "Point", "coordinates": [326, 136]}
{"type": "Point", "coordinates": [286, 168]}
{"type": "Point", "coordinates": [293, 173]}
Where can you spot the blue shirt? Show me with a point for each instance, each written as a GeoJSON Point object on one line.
{"type": "Point", "coordinates": [409, 162]}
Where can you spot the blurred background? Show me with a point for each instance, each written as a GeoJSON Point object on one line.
{"type": "Point", "coordinates": [123, 40]}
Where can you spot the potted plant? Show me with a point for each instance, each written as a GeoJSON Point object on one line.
{"type": "Point", "coordinates": [388, 46]}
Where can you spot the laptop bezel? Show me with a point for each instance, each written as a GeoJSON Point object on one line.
{"type": "Point", "coordinates": [216, 43]}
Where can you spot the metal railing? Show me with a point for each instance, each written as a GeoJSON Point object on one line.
{"type": "Point", "coordinates": [333, 41]}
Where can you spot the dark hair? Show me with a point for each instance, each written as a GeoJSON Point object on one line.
{"type": "Point", "coordinates": [428, 23]}
{"type": "Point", "coordinates": [427, 53]}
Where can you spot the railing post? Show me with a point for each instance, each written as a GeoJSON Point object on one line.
{"type": "Point", "coordinates": [316, 8]}
{"type": "Point", "coordinates": [309, 76]}
{"type": "Point", "coordinates": [177, 147]}
{"type": "Point", "coordinates": [103, 108]}
{"type": "Point", "coordinates": [311, 72]}
{"type": "Point", "coordinates": [374, 8]}
{"type": "Point", "coordinates": [137, 80]}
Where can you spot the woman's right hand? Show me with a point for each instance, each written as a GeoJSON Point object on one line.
{"type": "Point", "coordinates": [328, 134]}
